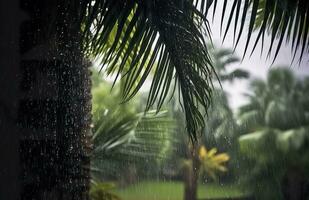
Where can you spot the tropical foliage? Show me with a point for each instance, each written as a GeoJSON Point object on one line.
{"type": "Point", "coordinates": [121, 134]}
{"type": "Point", "coordinates": [276, 144]}
{"type": "Point", "coordinates": [168, 37]}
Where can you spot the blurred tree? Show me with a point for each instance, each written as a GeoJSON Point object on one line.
{"type": "Point", "coordinates": [220, 124]}
{"type": "Point", "coordinates": [221, 129]}
{"type": "Point", "coordinates": [276, 144]}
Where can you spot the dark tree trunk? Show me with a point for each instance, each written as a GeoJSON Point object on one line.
{"type": "Point", "coordinates": [54, 108]}
{"type": "Point", "coordinates": [9, 69]}
{"type": "Point", "coordinates": [295, 185]}
{"type": "Point", "coordinates": [191, 175]}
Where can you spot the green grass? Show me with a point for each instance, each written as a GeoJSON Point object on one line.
{"type": "Point", "coordinates": [150, 190]}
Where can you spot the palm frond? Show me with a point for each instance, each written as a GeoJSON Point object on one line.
{"type": "Point", "coordinates": [152, 137]}
{"type": "Point", "coordinates": [142, 133]}
{"type": "Point", "coordinates": [167, 36]}
{"type": "Point", "coordinates": [112, 131]}
{"type": "Point", "coordinates": [122, 137]}
{"type": "Point", "coordinates": [287, 19]}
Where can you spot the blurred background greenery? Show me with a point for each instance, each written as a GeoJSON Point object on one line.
{"type": "Point", "coordinates": [257, 151]}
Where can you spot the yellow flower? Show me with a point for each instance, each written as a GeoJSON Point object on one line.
{"type": "Point", "coordinates": [211, 162]}
{"type": "Point", "coordinates": [202, 153]}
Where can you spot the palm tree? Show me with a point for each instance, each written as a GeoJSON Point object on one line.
{"type": "Point", "coordinates": [276, 125]}
{"type": "Point", "coordinates": [75, 29]}
{"type": "Point", "coordinates": [220, 125]}
{"type": "Point", "coordinates": [59, 34]}
{"type": "Point", "coordinates": [55, 54]}
{"type": "Point", "coordinates": [222, 58]}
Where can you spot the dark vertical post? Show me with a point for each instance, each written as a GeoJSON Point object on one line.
{"type": "Point", "coordinates": [9, 82]}
{"type": "Point", "coordinates": [55, 104]}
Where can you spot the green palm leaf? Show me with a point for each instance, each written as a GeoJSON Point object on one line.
{"type": "Point", "coordinates": [162, 36]}
{"type": "Point", "coordinates": [120, 137]}
{"type": "Point", "coordinates": [168, 37]}
{"type": "Point", "coordinates": [287, 19]}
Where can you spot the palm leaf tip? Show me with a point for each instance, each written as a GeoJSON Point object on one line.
{"type": "Point", "coordinates": [282, 19]}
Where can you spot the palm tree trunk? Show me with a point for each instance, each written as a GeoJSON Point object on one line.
{"type": "Point", "coordinates": [54, 108]}
{"type": "Point", "coordinates": [190, 184]}
{"type": "Point", "coordinates": [191, 175]}
{"type": "Point", "coordinates": [294, 185]}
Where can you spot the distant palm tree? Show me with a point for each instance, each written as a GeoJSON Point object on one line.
{"type": "Point", "coordinates": [222, 58]}
{"type": "Point", "coordinates": [276, 124]}
{"type": "Point", "coordinates": [220, 124]}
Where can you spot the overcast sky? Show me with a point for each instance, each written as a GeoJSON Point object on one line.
{"type": "Point", "coordinates": [257, 65]}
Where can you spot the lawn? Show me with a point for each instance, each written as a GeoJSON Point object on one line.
{"type": "Point", "coordinates": [151, 190]}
